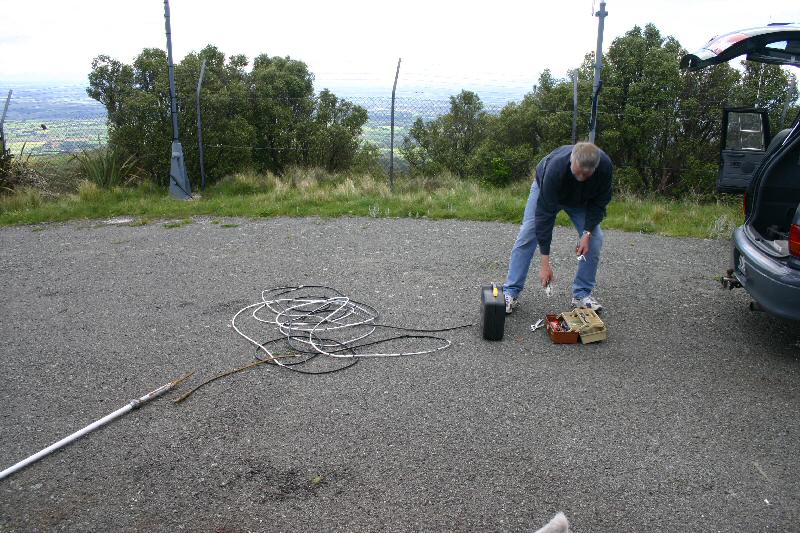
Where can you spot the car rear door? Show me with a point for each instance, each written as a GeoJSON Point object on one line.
{"type": "Point", "coordinates": [776, 43]}
{"type": "Point", "coordinates": [745, 137]}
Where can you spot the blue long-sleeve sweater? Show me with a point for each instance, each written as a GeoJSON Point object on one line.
{"type": "Point", "coordinates": [559, 187]}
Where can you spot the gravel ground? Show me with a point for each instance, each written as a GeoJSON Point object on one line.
{"type": "Point", "coordinates": [685, 419]}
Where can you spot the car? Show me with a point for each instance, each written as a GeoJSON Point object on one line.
{"type": "Point", "coordinates": [766, 248]}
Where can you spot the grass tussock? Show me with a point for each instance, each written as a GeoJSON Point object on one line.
{"type": "Point", "coordinates": [314, 192]}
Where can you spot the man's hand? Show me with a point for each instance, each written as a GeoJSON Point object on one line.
{"type": "Point", "coordinates": [583, 244]}
{"type": "Point", "coordinates": [546, 273]}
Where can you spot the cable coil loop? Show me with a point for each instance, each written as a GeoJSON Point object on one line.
{"type": "Point", "coordinates": [315, 320]}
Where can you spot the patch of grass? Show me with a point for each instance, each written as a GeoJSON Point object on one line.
{"type": "Point", "coordinates": [315, 193]}
{"type": "Point", "coordinates": [179, 223]}
{"type": "Point", "coordinates": [229, 225]}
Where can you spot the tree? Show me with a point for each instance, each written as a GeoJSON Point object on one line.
{"type": "Point", "coordinates": [268, 118]}
{"type": "Point", "coordinates": [448, 142]}
{"type": "Point", "coordinates": [526, 131]}
{"type": "Point", "coordinates": [766, 87]}
{"type": "Point", "coordinates": [335, 141]}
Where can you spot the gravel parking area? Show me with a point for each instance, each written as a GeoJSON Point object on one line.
{"type": "Point", "coordinates": [685, 419]}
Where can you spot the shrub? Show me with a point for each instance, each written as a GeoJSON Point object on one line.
{"type": "Point", "coordinates": [502, 165]}
{"type": "Point", "coordinates": [15, 172]}
{"type": "Point", "coordinates": [105, 167]}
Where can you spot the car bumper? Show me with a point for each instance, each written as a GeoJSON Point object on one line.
{"type": "Point", "coordinates": [770, 282]}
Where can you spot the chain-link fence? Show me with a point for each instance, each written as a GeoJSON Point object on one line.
{"type": "Point", "coordinates": [44, 128]}
{"type": "Point", "coordinates": [47, 126]}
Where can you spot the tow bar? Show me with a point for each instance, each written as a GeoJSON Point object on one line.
{"type": "Point", "coordinates": [729, 281]}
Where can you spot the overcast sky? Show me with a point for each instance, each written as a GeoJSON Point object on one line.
{"type": "Point", "coordinates": [443, 43]}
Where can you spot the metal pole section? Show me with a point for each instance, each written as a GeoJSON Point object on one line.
{"type": "Point", "coordinates": [575, 107]}
{"type": "Point", "coordinates": [598, 66]}
{"type": "Point", "coordinates": [3, 119]}
{"type": "Point", "coordinates": [133, 404]}
{"type": "Point", "coordinates": [391, 139]}
{"type": "Point", "coordinates": [173, 104]}
{"type": "Point", "coordinates": [200, 128]}
{"type": "Point", "coordinates": [179, 186]}
{"type": "Point", "coordinates": [790, 96]}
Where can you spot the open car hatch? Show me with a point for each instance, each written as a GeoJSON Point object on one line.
{"type": "Point", "coordinates": [777, 44]}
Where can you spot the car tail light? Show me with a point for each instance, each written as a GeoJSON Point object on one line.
{"type": "Point", "coordinates": [744, 204]}
{"type": "Point", "coordinates": [794, 240]}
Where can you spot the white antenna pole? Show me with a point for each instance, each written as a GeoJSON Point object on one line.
{"type": "Point", "coordinates": [133, 404]}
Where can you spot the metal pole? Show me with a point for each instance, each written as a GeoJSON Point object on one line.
{"type": "Point", "coordinates": [790, 96]}
{"type": "Point", "coordinates": [172, 101]}
{"type": "Point", "coordinates": [179, 186]}
{"type": "Point", "coordinates": [200, 128]}
{"type": "Point", "coordinates": [2, 121]}
{"type": "Point", "coordinates": [391, 139]}
{"type": "Point", "coordinates": [598, 66]}
{"type": "Point", "coordinates": [575, 107]}
{"type": "Point", "coordinates": [133, 404]}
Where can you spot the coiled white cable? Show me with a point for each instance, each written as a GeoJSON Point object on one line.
{"type": "Point", "coordinates": [307, 323]}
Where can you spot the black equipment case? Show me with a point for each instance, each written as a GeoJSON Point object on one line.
{"type": "Point", "coordinates": [493, 312]}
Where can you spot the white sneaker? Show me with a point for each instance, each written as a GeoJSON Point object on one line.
{"type": "Point", "coordinates": [511, 303]}
{"type": "Point", "coordinates": [588, 302]}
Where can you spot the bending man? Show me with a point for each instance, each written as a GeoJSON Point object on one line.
{"type": "Point", "coordinates": [576, 179]}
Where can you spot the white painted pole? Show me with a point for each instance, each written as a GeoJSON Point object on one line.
{"type": "Point", "coordinates": [133, 404]}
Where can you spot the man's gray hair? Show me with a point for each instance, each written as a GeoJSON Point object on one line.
{"type": "Point", "coordinates": [586, 155]}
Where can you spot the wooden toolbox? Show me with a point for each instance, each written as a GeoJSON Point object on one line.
{"type": "Point", "coordinates": [579, 325]}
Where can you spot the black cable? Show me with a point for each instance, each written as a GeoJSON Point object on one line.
{"type": "Point", "coordinates": [299, 312]}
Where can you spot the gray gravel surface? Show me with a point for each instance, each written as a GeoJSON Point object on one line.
{"type": "Point", "coordinates": [685, 419]}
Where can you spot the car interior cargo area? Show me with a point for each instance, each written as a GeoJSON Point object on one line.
{"type": "Point", "coordinates": [776, 202]}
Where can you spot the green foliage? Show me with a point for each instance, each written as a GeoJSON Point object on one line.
{"type": "Point", "coordinates": [765, 87]}
{"type": "Point", "coordinates": [501, 165]}
{"type": "Point", "coordinates": [18, 172]}
{"type": "Point", "coordinates": [627, 180]}
{"type": "Point", "coordinates": [268, 119]}
{"type": "Point", "coordinates": [448, 142]}
{"type": "Point", "coordinates": [6, 170]}
{"type": "Point", "coordinates": [660, 125]}
{"type": "Point", "coordinates": [105, 167]}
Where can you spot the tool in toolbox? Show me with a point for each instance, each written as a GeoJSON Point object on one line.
{"type": "Point", "coordinates": [493, 312]}
{"type": "Point", "coordinates": [579, 325]}
{"type": "Point", "coordinates": [539, 324]}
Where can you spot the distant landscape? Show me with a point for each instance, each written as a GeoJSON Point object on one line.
{"type": "Point", "coordinates": [57, 119]}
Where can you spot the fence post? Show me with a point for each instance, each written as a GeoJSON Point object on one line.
{"type": "Point", "coordinates": [575, 106]}
{"type": "Point", "coordinates": [2, 121]}
{"type": "Point", "coordinates": [790, 96]}
{"type": "Point", "coordinates": [391, 139]}
{"type": "Point", "coordinates": [200, 128]}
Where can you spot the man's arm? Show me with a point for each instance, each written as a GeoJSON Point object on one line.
{"type": "Point", "coordinates": [547, 208]}
{"type": "Point", "coordinates": [545, 218]}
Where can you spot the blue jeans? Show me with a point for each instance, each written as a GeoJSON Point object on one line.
{"type": "Point", "coordinates": [525, 247]}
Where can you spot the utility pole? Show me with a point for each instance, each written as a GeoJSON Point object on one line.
{"type": "Point", "coordinates": [179, 186]}
{"type": "Point", "coordinates": [598, 67]}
